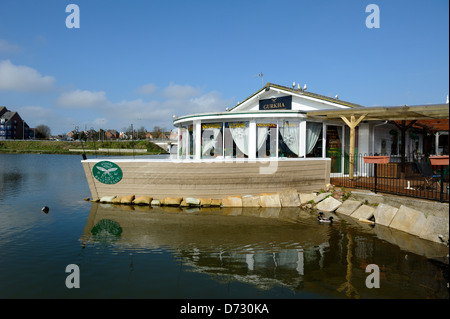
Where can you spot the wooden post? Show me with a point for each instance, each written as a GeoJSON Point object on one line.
{"type": "Point", "coordinates": [352, 123]}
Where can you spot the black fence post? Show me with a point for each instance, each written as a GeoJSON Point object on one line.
{"type": "Point", "coordinates": [375, 173]}
{"type": "Point", "coordinates": [441, 195]}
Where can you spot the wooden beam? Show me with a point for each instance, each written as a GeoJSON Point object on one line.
{"type": "Point", "coordinates": [352, 123]}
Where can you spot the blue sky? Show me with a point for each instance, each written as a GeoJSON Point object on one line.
{"type": "Point", "coordinates": [140, 62]}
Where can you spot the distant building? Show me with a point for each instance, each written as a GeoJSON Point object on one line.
{"type": "Point", "coordinates": [111, 135]}
{"type": "Point", "coordinates": [12, 126]}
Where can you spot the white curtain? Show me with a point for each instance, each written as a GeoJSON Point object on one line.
{"type": "Point", "coordinates": [289, 133]}
{"type": "Point", "coordinates": [240, 137]}
{"type": "Point", "coordinates": [208, 142]}
{"type": "Point", "coordinates": [312, 135]}
{"type": "Point", "coordinates": [263, 132]}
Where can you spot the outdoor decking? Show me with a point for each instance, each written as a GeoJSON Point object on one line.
{"type": "Point", "coordinates": [413, 184]}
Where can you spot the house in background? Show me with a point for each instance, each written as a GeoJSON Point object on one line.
{"type": "Point", "coordinates": [12, 126]}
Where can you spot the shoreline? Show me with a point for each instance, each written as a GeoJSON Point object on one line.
{"type": "Point", "coordinates": [114, 148]}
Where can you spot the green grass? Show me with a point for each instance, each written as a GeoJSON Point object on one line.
{"type": "Point", "coordinates": [62, 147]}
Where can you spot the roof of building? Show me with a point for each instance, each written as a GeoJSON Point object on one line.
{"type": "Point", "coordinates": [300, 92]}
{"type": "Point", "coordinates": [7, 116]}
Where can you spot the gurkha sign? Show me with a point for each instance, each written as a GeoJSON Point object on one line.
{"type": "Point", "coordinates": [278, 103]}
{"type": "Point", "coordinates": [107, 172]}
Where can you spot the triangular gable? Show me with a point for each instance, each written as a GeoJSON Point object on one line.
{"type": "Point", "coordinates": [276, 97]}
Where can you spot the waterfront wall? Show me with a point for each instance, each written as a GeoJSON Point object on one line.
{"type": "Point", "coordinates": [213, 179]}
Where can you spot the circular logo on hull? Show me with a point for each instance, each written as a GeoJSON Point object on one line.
{"type": "Point", "coordinates": [107, 172]}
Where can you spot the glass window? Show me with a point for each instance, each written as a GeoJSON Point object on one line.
{"type": "Point", "coordinates": [236, 139]}
{"type": "Point", "coordinates": [288, 139]}
{"type": "Point", "coordinates": [334, 147]}
{"type": "Point", "coordinates": [314, 139]}
{"type": "Point", "coordinates": [266, 139]}
{"type": "Point", "coordinates": [186, 147]}
{"type": "Point", "coordinates": [212, 141]}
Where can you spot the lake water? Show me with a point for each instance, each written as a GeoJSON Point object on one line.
{"type": "Point", "coordinates": [142, 252]}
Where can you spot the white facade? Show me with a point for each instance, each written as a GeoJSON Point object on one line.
{"type": "Point", "coordinates": [273, 123]}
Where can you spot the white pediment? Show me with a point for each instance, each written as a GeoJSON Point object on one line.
{"type": "Point", "coordinates": [300, 101]}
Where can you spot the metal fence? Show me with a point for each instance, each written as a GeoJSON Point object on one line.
{"type": "Point", "coordinates": [414, 177]}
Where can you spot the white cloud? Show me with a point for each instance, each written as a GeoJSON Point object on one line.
{"type": "Point", "coordinates": [6, 47]}
{"type": "Point", "coordinates": [95, 110]}
{"type": "Point", "coordinates": [177, 91]}
{"type": "Point", "coordinates": [23, 78]}
{"type": "Point", "coordinates": [147, 89]}
{"type": "Point", "coordinates": [82, 99]}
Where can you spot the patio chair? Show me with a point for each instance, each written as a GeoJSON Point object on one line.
{"type": "Point", "coordinates": [430, 178]}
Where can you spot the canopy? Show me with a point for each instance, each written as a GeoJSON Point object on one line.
{"type": "Point", "coordinates": [418, 115]}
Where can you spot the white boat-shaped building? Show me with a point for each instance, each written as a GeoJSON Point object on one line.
{"type": "Point", "coordinates": [265, 144]}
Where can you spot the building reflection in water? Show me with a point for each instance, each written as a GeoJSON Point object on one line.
{"type": "Point", "coordinates": [271, 247]}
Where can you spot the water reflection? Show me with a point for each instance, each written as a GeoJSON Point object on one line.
{"type": "Point", "coordinates": [269, 248]}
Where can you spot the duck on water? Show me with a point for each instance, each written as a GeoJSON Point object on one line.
{"type": "Point", "coordinates": [322, 219]}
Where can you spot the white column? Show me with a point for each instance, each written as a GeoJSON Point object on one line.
{"type": "Point", "coordinates": [324, 140]}
{"type": "Point", "coordinates": [437, 143]}
{"type": "Point", "coordinates": [252, 139]}
{"type": "Point", "coordinates": [302, 139]}
{"type": "Point", "coordinates": [198, 139]}
{"type": "Point", "coordinates": [179, 143]}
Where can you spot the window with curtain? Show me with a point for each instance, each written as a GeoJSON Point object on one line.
{"type": "Point", "coordinates": [236, 139]}
{"type": "Point", "coordinates": [212, 140]}
{"type": "Point", "coordinates": [186, 149]}
{"type": "Point", "coordinates": [313, 139]}
{"type": "Point", "coordinates": [289, 139]}
{"type": "Point", "coordinates": [266, 139]}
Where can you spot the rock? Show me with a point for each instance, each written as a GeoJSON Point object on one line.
{"type": "Point", "coordinates": [363, 220]}
{"type": "Point", "coordinates": [155, 202]}
{"type": "Point", "coordinates": [434, 227]}
{"type": "Point", "coordinates": [306, 198]}
{"type": "Point", "coordinates": [409, 220]}
{"type": "Point", "coordinates": [320, 197]}
{"type": "Point", "coordinates": [172, 201]}
{"type": "Point", "coordinates": [184, 204]}
{"type": "Point", "coordinates": [289, 198]}
{"type": "Point", "coordinates": [127, 200]}
{"type": "Point", "coordinates": [190, 201]}
{"type": "Point", "coordinates": [142, 200]}
{"type": "Point", "coordinates": [216, 202]}
{"type": "Point", "coordinates": [364, 212]}
{"type": "Point", "coordinates": [384, 214]}
{"type": "Point", "coordinates": [328, 205]}
{"type": "Point", "coordinates": [205, 202]}
{"type": "Point", "coordinates": [87, 199]}
{"type": "Point", "coordinates": [107, 199]}
{"type": "Point", "coordinates": [251, 201]}
{"type": "Point", "coordinates": [116, 200]}
{"type": "Point", "coordinates": [270, 200]}
{"type": "Point", "coordinates": [348, 207]}
{"type": "Point", "coordinates": [232, 201]}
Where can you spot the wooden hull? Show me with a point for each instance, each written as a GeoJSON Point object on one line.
{"type": "Point", "coordinates": [210, 179]}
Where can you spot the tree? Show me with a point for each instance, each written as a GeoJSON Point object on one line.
{"type": "Point", "coordinates": [42, 131]}
{"type": "Point", "coordinates": [158, 132]}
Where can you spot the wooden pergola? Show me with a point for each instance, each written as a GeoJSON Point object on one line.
{"type": "Point", "coordinates": [433, 117]}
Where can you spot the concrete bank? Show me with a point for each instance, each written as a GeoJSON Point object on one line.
{"type": "Point", "coordinates": [426, 220]}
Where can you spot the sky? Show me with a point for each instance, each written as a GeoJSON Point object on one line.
{"type": "Point", "coordinates": [140, 62]}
